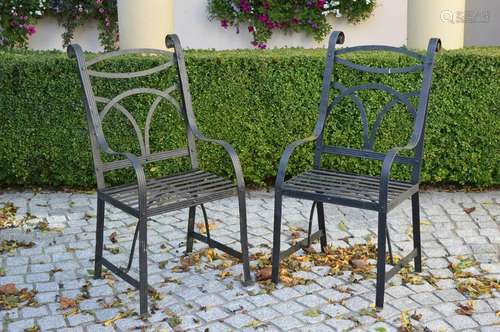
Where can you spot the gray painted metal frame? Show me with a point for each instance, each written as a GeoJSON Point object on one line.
{"type": "Point", "coordinates": [366, 192]}
{"type": "Point", "coordinates": [149, 197]}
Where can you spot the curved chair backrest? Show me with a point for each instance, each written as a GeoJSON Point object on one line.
{"type": "Point", "coordinates": [418, 112]}
{"type": "Point", "coordinates": [95, 116]}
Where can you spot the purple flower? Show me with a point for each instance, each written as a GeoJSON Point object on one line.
{"type": "Point", "coordinates": [30, 29]}
{"type": "Point", "coordinates": [266, 5]}
{"type": "Point", "coordinates": [101, 10]}
{"type": "Point", "coordinates": [251, 28]}
{"type": "Point", "coordinates": [263, 18]}
{"type": "Point", "coordinates": [320, 4]}
{"type": "Point", "coordinates": [245, 6]}
{"type": "Point", "coordinates": [224, 24]}
{"type": "Point", "coordinates": [262, 46]}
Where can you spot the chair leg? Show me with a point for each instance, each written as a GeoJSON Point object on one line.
{"type": "Point", "coordinates": [321, 225]}
{"type": "Point", "coordinates": [143, 266]}
{"type": "Point", "coordinates": [247, 279]}
{"type": "Point", "coordinates": [99, 242]}
{"type": "Point", "coordinates": [276, 237]}
{"type": "Point", "coordinates": [190, 239]}
{"type": "Point", "coordinates": [382, 224]}
{"type": "Point", "coordinates": [415, 205]}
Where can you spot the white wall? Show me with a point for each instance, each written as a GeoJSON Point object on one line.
{"type": "Point", "coordinates": [386, 26]}
{"type": "Point", "coordinates": [482, 26]}
{"type": "Point", "coordinates": [48, 36]}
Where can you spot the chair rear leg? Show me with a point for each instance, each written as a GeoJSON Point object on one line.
{"type": "Point", "coordinates": [143, 266]}
{"type": "Point", "coordinates": [381, 242]}
{"type": "Point", "coordinates": [99, 241]}
{"type": "Point", "coordinates": [247, 279]}
{"type": "Point", "coordinates": [276, 237]}
{"type": "Point", "coordinates": [321, 225]}
{"type": "Point", "coordinates": [415, 205]}
{"type": "Point", "coordinates": [190, 230]}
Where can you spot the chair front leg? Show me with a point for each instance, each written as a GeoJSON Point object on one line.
{"type": "Point", "coordinates": [247, 279]}
{"type": "Point", "coordinates": [190, 230]}
{"type": "Point", "coordinates": [321, 225]}
{"type": "Point", "coordinates": [276, 237]}
{"type": "Point", "coordinates": [143, 266]}
{"type": "Point", "coordinates": [381, 242]}
{"type": "Point", "coordinates": [99, 241]}
{"type": "Point", "coordinates": [415, 205]}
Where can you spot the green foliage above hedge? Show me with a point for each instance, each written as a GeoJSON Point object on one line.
{"type": "Point", "coordinates": [259, 102]}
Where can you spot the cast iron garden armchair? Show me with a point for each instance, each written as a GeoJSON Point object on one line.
{"type": "Point", "coordinates": [150, 197]}
{"type": "Point", "coordinates": [354, 190]}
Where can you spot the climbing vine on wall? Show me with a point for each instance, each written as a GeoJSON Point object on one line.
{"type": "Point", "coordinates": [262, 17]}
{"type": "Point", "coordinates": [18, 18]}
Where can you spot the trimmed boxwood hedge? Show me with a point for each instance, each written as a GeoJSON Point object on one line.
{"type": "Point", "coordinates": [259, 102]}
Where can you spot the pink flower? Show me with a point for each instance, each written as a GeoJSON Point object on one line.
{"type": "Point", "coordinates": [98, 2]}
{"type": "Point", "coordinates": [263, 18]}
{"type": "Point", "coordinates": [245, 6]}
{"type": "Point", "coordinates": [30, 29]}
{"type": "Point", "coordinates": [251, 28]}
{"type": "Point", "coordinates": [101, 10]}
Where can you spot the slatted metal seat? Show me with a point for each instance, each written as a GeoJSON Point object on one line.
{"type": "Point", "coordinates": [148, 197]}
{"type": "Point", "coordinates": [351, 189]}
{"type": "Point", "coordinates": [171, 193]}
{"type": "Point", "coordinates": [379, 193]}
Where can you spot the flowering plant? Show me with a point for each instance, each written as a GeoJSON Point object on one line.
{"type": "Point", "coordinates": [17, 19]}
{"type": "Point", "coordinates": [264, 16]}
{"type": "Point", "coordinates": [73, 13]}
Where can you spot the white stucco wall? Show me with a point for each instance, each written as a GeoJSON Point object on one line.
{"type": "Point", "coordinates": [386, 26]}
{"type": "Point", "coordinates": [482, 27]}
{"type": "Point", "coordinates": [48, 36]}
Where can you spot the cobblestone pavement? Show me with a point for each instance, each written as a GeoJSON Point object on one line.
{"type": "Point", "coordinates": [60, 265]}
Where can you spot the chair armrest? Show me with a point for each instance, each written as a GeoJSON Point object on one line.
{"type": "Point", "coordinates": [280, 177]}
{"type": "Point", "coordinates": [240, 179]}
{"type": "Point", "coordinates": [139, 173]}
{"type": "Point", "coordinates": [387, 165]}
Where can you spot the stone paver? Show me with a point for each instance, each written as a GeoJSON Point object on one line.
{"type": "Point", "coordinates": [60, 264]}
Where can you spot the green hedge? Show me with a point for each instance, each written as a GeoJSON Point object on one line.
{"type": "Point", "coordinates": [259, 102]}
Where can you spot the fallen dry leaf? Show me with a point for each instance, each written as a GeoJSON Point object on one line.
{"type": "Point", "coordinates": [7, 246]}
{"type": "Point", "coordinates": [120, 315]}
{"type": "Point", "coordinates": [470, 210]}
{"type": "Point", "coordinates": [264, 274]}
{"type": "Point", "coordinates": [203, 229]}
{"type": "Point", "coordinates": [8, 216]}
{"type": "Point", "coordinates": [113, 237]}
{"type": "Point", "coordinates": [478, 286]}
{"type": "Point", "coordinates": [8, 289]}
{"type": "Point", "coordinates": [465, 309]}
{"type": "Point", "coordinates": [67, 303]}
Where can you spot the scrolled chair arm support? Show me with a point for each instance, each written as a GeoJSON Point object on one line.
{"type": "Point", "coordinates": [139, 173]}
{"type": "Point", "coordinates": [285, 157]}
{"type": "Point", "coordinates": [387, 166]}
{"type": "Point", "coordinates": [240, 180]}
